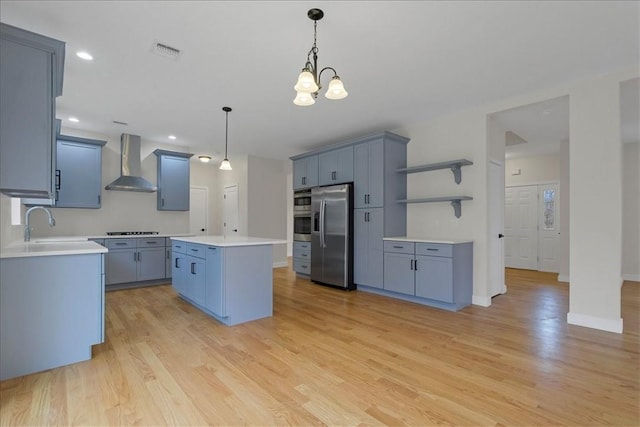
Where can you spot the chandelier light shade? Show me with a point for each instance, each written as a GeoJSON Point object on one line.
{"type": "Point", "coordinates": [308, 84]}
{"type": "Point", "coordinates": [226, 165]}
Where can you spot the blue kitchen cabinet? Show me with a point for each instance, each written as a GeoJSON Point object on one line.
{"type": "Point", "coordinates": [79, 173]}
{"type": "Point", "coordinates": [302, 258]}
{"type": "Point", "coordinates": [195, 280]}
{"type": "Point", "coordinates": [179, 266]}
{"type": "Point", "coordinates": [435, 274]}
{"type": "Point", "coordinates": [151, 264]}
{"type": "Point", "coordinates": [168, 263]}
{"type": "Point", "coordinates": [31, 74]}
{"type": "Point", "coordinates": [368, 228]}
{"type": "Point", "coordinates": [369, 174]}
{"type": "Point", "coordinates": [305, 172]}
{"type": "Point", "coordinates": [121, 261]}
{"type": "Point", "coordinates": [335, 166]}
{"type": "Point", "coordinates": [173, 180]}
{"type": "Point", "coordinates": [215, 291]}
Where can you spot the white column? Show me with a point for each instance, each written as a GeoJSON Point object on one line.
{"type": "Point", "coordinates": [596, 205]}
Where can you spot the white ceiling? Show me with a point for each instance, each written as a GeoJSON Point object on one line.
{"type": "Point", "coordinates": [402, 62]}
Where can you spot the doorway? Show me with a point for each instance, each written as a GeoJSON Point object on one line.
{"type": "Point", "coordinates": [230, 211]}
{"type": "Point", "coordinates": [531, 227]}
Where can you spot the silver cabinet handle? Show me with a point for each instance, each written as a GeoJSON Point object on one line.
{"type": "Point", "coordinates": [193, 268]}
{"type": "Point", "coordinates": [412, 264]}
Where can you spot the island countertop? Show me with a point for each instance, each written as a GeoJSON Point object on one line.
{"type": "Point", "coordinates": [228, 241]}
{"type": "Point", "coordinates": [428, 240]}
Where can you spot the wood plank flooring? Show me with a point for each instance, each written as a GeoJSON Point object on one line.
{"type": "Point", "coordinates": [329, 357]}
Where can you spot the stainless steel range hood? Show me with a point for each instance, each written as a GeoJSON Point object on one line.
{"type": "Point", "coordinates": [130, 170]}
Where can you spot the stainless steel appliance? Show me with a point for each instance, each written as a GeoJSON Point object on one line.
{"type": "Point", "coordinates": [302, 216]}
{"type": "Point", "coordinates": [332, 235]}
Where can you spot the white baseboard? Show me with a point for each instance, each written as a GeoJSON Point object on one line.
{"type": "Point", "coordinates": [563, 278]}
{"type": "Point", "coordinates": [481, 301]}
{"type": "Point", "coordinates": [280, 264]}
{"type": "Point", "coordinates": [609, 325]}
{"type": "Point", "coordinates": [631, 277]}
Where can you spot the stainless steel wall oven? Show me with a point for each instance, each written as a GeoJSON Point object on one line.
{"type": "Point", "coordinates": [302, 215]}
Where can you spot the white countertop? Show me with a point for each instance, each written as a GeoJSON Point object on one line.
{"type": "Point", "coordinates": [102, 236]}
{"type": "Point", "coordinates": [60, 247]}
{"type": "Point", "coordinates": [223, 241]}
{"type": "Point", "coordinates": [427, 240]}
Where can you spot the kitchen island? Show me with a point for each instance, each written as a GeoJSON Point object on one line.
{"type": "Point", "coordinates": [229, 278]}
{"type": "Point", "coordinates": [51, 304]}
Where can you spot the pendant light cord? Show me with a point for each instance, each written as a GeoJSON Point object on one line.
{"type": "Point", "coordinates": [226, 136]}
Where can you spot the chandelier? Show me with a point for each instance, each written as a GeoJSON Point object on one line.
{"type": "Point", "coordinates": [308, 84]}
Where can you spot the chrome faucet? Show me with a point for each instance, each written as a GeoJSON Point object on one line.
{"type": "Point", "coordinates": [27, 229]}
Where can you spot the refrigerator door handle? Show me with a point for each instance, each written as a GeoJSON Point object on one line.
{"type": "Point", "coordinates": [322, 213]}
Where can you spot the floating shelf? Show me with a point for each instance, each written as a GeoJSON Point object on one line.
{"type": "Point", "coordinates": [455, 202]}
{"type": "Point", "coordinates": [454, 165]}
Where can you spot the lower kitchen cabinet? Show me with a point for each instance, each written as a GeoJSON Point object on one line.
{"type": "Point", "coordinates": [131, 260]}
{"type": "Point", "coordinates": [302, 258]}
{"type": "Point", "coordinates": [368, 232]}
{"type": "Point", "coordinates": [218, 281]}
{"type": "Point", "coordinates": [436, 274]}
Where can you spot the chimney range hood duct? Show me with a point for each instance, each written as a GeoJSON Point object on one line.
{"type": "Point", "coordinates": [130, 170]}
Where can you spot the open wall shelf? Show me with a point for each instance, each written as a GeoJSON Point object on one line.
{"type": "Point", "coordinates": [455, 202]}
{"type": "Point", "coordinates": [454, 165]}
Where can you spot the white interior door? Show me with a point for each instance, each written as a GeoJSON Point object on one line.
{"type": "Point", "coordinates": [496, 228]}
{"type": "Point", "coordinates": [198, 210]}
{"type": "Point", "coordinates": [521, 224]}
{"type": "Point", "coordinates": [549, 227]}
{"type": "Point", "coordinates": [230, 211]}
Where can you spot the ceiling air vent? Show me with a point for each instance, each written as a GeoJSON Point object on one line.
{"type": "Point", "coordinates": [165, 50]}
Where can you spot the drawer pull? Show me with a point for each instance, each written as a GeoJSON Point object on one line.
{"type": "Point", "coordinates": [433, 249]}
{"type": "Point", "coordinates": [398, 247]}
{"type": "Point", "coordinates": [195, 250]}
{"type": "Point", "coordinates": [121, 244]}
{"type": "Point", "coordinates": [151, 242]}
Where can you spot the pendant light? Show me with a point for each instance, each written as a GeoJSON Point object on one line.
{"type": "Point", "coordinates": [225, 165]}
{"type": "Point", "coordinates": [308, 83]}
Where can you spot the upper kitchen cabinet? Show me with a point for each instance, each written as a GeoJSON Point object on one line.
{"type": "Point", "coordinates": [376, 159]}
{"type": "Point", "coordinates": [305, 172]}
{"type": "Point", "coordinates": [173, 180]}
{"type": "Point", "coordinates": [79, 173]}
{"type": "Point", "coordinates": [31, 73]}
{"type": "Point", "coordinates": [336, 166]}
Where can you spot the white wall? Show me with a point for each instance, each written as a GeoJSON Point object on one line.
{"type": "Point", "coordinates": [533, 170]}
{"type": "Point", "coordinates": [596, 204]}
{"type": "Point", "coordinates": [267, 203]}
{"type": "Point", "coordinates": [631, 211]}
{"type": "Point", "coordinates": [565, 211]}
{"type": "Point", "coordinates": [8, 233]}
{"type": "Point", "coordinates": [462, 135]}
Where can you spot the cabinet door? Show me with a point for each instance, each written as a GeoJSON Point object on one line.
{"type": "Point", "coordinates": [214, 291]}
{"type": "Point", "coordinates": [375, 197]}
{"type": "Point", "coordinates": [151, 263]}
{"type": "Point", "coordinates": [168, 263]}
{"type": "Point", "coordinates": [27, 129]}
{"type": "Point", "coordinates": [179, 268]}
{"type": "Point", "coordinates": [196, 277]}
{"type": "Point", "coordinates": [299, 173]}
{"type": "Point", "coordinates": [368, 247]}
{"type": "Point", "coordinates": [398, 273]}
{"type": "Point", "coordinates": [360, 174]}
{"type": "Point", "coordinates": [336, 166]}
{"type": "Point", "coordinates": [311, 179]}
{"type": "Point", "coordinates": [434, 278]}
{"type": "Point", "coordinates": [122, 266]}
{"type": "Point", "coordinates": [173, 183]}
{"type": "Point", "coordinates": [79, 174]}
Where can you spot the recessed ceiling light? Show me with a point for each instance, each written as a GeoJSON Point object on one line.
{"type": "Point", "coordinates": [84, 55]}
{"type": "Point", "coordinates": [73, 119]}
{"type": "Point", "coordinates": [172, 137]}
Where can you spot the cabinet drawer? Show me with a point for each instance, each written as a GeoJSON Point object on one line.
{"type": "Point", "coordinates": [301, 253]}
{"type": "Point", "coordinates": [302, 266]}
{"type": "Point", "coordinates": [399, 247]}
{"type": "Point", "coordinates": [151, 242]}
{"type": "Point", "coordinates": [301, 245]}
{"type": "Point", "coordinates": [178, 247]}
{"type": "Point", "coordinates": [434, 249]}
{"type": "Point", "coordinates": [196, 250]}
{"type": "Point", "coordinates": [120, 243]}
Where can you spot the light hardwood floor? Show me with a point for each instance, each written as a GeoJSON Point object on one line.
{"type": "Point", "coordinates": [344, 358]}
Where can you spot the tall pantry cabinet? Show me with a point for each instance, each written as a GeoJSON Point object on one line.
{"type": "Point", "coordinates": [377, 186]}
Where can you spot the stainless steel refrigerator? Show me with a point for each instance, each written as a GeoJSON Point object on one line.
{"type": "Point", "coordinates": [332, 235]}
